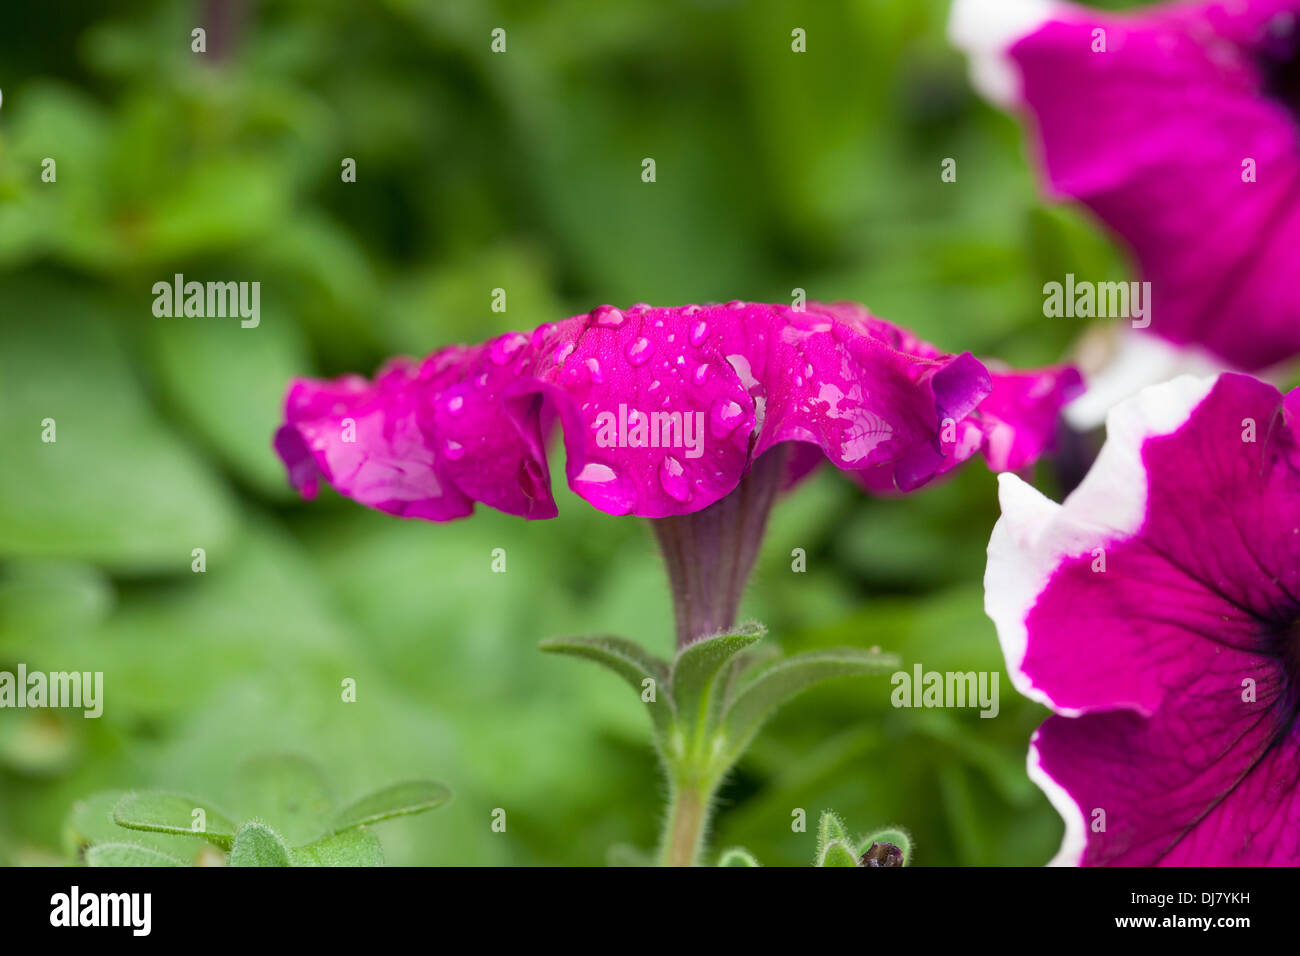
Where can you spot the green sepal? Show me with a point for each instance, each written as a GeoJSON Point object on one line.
{"type": "Point", "coordinates": [837, 854]}
{"type": "Point", "coordinates": [737, 856]}
{"type": "Point", "coordinates": [830, 829]}
{"type": "Point", "coordinates": [696, 668]}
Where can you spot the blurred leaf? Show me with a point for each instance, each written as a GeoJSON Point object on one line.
{"type": "Point", "coordinates": [82, 496]}
{"type": "Point", "coordinates": [127, 854]}
{"type": "Point", "coordinates": [400, 799]}
{"type": "Point", "coordinates": [287, 791]}
{"type": "Point", "coordinates": [228, 382]}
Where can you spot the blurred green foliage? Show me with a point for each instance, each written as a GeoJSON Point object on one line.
{"type": "Point", "coordinates": [476, 171]}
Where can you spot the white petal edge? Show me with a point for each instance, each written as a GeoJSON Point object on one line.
{"type": "Point", "coordinates": [1141, 359]}
{"type": "Point", "coordinates": [1075, 840]}
{"type": "Point", "coordinates": [985, 30]}
{"type": "Point", "coordinates": [1035, 534]}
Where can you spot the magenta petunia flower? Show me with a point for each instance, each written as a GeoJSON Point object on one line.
{"type": "Point", "coordinates": [1155, 612]}
{"type": "Point", "coordinates": [666, 413]}
{"type": "Point", "coordinates": [1178, 125]}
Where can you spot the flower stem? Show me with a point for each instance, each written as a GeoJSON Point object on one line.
{"type": "Point", "coordinates": [688, 818]}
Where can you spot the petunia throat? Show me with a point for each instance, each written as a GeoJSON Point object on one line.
{"type": "Point", "coordinates": [1279, 62]}
{"type": "Point", "coordinates": [710, 553]}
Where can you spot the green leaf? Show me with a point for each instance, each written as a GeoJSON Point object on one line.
{"type": "Point", "coordinates": [174, 813]}
{"type": "Point", "coordinates": [80, 496]}
{"type": "Point", "coordinates": [737, 856]}
{"type": "Point", "coordinates": [837, 854]}
{"type": "Point", "coordinates": [288, 792]}
{"type": "Point", "coordinates": [350, 848]}
{"type": "Point", "coordinates": [697, 666]}
{"type": "Point", "coordinates": [628, 660]}
{"type": "Point", "coordinates": [398, 800]}
{"type": "Point", "coordinates": [196, 360]}
{"type": "Point", "coordinates": [761, 696]}
{"type": "Point", "coordinates": [128, 854]}
{"type": "Point", "coordinates": [895, 835]}
{"type": "Point", "coordinates": [256, 844]}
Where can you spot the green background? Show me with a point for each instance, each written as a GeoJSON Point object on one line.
{"type": "Point", "coordinates": [475, 170]}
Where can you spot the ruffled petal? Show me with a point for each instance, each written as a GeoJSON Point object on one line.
{"type": "Point", "coordinates": [663, 411]}
{"type": "Point", "coordinates": [367, 441]}
{"type": "Point", "coordinates": [1153, 612]}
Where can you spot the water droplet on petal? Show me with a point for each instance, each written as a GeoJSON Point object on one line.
{"type": "Point", "coordinates": [605, 488]}
{"type": "Point", "coordinates": [607, 317]}
{"type": "Point", "coordinates": [699, 332]}
{"type": "Point", "coordinates": [481, 380]}
{"type": "Point", "coordinates": [454, 404]}
{"type": "Point", "coordinates": [736, 304]}
{"type": "Point", "coordinates": [672, 477]}
{"type": "Point", "coordinates": [724, 416]}
{"type": "Point", "coordinates": [655, 385]}
{"type": "Point", "coordinates": [594, 369]}
{"type": "Point", "coordinates": [541, 332]}
{"type": "Point", "coordinates": [637, 352]}
{"type": "Point", "coordinates": [507, 347]}
{"type": "Point", "coordinates": [454, 450]}
{"type": "Point", "coordinates": [562, 352]}
{"type": "Point", "coordinates": [701, 373]}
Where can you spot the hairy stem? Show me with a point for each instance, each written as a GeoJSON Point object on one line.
{"type": "Point", "coordinates": [688, 818]}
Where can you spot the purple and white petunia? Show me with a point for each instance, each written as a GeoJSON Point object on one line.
{"type": "Point", "coordinates": [663, 410]}
{"type": "Point", "coordinates": [1178, 125]}
{"type": "Point", "coordinates": [1157, 613]}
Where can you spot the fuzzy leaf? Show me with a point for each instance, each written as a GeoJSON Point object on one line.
{"type": "Point", "coordinates": [737, 856]}
{"type": "Point", "coordinates": [628, 660]}
{"type": "Point", "coordinates": [762, 695]}
{"type": "Point", "coordinates": [349, 848]}
{"type": "Point", "coordinates": [398, 800]}
{"type": "Point", "coordinates": [697, 666]}
{"type": "Point", "coordinates": [830, 830]}
{"type": "Point", "coordinates": [127, 854]}
{"type": "Point", "coordinates": [837, 854]}
{"type": "Point", "coordinates": [174, 813]}
{"type": "Point", "coordinates": [256, 844]}
{"type": "Point", "coordinates": [289, 793]}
